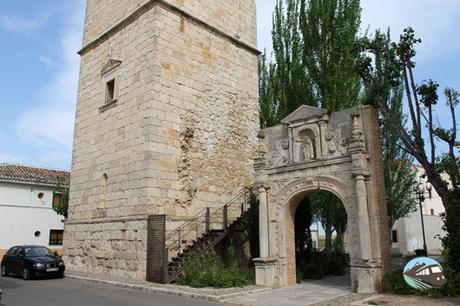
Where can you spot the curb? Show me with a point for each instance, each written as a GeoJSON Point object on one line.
{"type": "Point", "coordinates": [165, 291]}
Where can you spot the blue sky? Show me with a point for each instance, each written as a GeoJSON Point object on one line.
{"type": "Point", "coordinates": [39, 65]}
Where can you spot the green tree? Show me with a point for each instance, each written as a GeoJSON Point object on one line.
{"type": "Point", "coordinates": [62, 207]}
{"type": "Point", "coordinates": [400, 177]}
{"type": "Point", "coordinates": [420, 101]}
{"type": "Point", "coordinates": [292, 85]}
{"type": "Point", "coordinates": [329, 34]}
{"type": "Point", "coordinates": [315, 59]}
{"type": "Point", "coordinates": [330, 212]}
{"type": "Point", "coordinates": [269, 110]}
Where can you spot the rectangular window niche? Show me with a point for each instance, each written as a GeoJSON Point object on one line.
{"type": "Point", "coordinates": [110, 97]}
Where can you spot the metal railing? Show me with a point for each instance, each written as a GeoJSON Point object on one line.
{"type": "Point", "coordinates": [209, 219]}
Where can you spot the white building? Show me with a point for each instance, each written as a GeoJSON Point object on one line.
{"type": "Point", "coordinates": [407, 233]}
{"type": "Point", "coordinates": [27, 195]}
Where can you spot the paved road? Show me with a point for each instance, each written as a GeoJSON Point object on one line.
{"type": "Point", "coordinates": [71, 292]}
{"type": "Point", "coordinates": [307, 293]}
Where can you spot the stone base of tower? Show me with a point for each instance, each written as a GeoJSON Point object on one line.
{"type": "Point", "coordinates": [115, 249]}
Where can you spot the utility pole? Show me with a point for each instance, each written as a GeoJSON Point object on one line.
{"type": "Point", "coordinates": [420, 192]}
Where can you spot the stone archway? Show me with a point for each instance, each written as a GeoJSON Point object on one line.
{"type": "Point", "coordinates": [346, 162]}
{"type": "Point", "coordinates": [292, 197]}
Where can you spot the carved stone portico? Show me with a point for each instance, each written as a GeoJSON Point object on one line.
{"type": "Point", "coordinates": [314, 150]}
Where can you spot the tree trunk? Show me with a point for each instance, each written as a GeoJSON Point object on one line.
{"type": "Point", "coordinates": [452, 223]}
{"type": "Point", "coordinates": [328, 240]}
{"type": "Point", "coordinates": [339, 245]}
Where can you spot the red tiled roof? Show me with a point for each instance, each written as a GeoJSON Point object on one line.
{"type": "Point", "coordinates": [33, 175]}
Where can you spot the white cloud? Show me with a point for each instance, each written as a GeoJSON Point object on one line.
{"type": "Point", "coordinates": [436, 22]}
{"type": "Point", "coordinates": [46, 60]}
{"type": "Point", "coordinates": [16, 24]}
{"type": "Point", "coordinates": [49, 126]}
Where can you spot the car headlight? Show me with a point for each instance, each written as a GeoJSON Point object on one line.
{"type": "Point", "coordinates": [61, 263]}
{"type": "Point", "coordinates": [39, 265]}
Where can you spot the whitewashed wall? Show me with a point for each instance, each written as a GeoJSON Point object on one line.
{"type": "Point", "coordinates": [22, 213]}
{"type": "Point", "coordinates": [409, 230]}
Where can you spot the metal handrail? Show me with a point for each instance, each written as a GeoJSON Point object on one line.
{"type": "Point", "coordinates": [225, 230]}
{"type": "Point", "coordinates": [207, 214]}
{"type": "Point", "coordinates": [186, 223]}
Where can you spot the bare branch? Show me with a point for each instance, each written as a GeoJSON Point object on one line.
{"type": "Point", "coordinates": [418, 129]}
{"type": "Point", "coordinates": [409, 100]}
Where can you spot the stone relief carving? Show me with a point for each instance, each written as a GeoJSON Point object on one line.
{"type": "Point", "coordinates": [357, 137]}
{"type": "Point", "coordinates": [280, 155]}
{"type": "Point", "coordinates": [110, 65]}
{"type": "Point", "coordinates": [337, 146]}
{"type": "Point", "coordinates": [308, 152]}
{"type": "Point", "coordinates": [360, 165]}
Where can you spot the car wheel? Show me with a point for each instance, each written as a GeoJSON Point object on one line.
{"type": "Point", "coordinates": [4, 272]}
{"type": "Point", "coordinates": [26, 274]}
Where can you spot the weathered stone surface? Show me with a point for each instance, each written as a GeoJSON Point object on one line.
{"type": "Point", "coordinates": [180, 132]}
{"type": "Point", "coordinates": [344, 158]}
{"type": "Point", "coordinates": [236, 18]}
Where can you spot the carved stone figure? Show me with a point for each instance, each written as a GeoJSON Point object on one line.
{"type": "Point", "coordinates": [336, 145]}
{"type": "Point", "coordinates": [308, 152]}
{"type": "Point", "coordinates": [357, 139]}
{"type": "Point", "coordinates": [279, 156]}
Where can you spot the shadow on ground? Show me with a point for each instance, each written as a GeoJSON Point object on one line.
{"type": "Point", "coordinates": [306, 293]}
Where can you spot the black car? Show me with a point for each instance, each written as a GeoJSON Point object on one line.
{"type": "Point", "coordinates": [32, 261]}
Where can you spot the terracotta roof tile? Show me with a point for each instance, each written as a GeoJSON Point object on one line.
{"type": "Point", "coordinates": [33, 175]}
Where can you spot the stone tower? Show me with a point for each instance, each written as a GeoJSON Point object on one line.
{"type": "Point", "coordinates": [166, 123]}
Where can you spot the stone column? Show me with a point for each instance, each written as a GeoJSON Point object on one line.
{"type": "Point", "coordinates": [363, 218]}
{"type": "Point", "coordinates": [265, 266]}
{"type": "Point", "coordinates": [263, 223]}
{"type": "Point", "coordinates": [360, 168]}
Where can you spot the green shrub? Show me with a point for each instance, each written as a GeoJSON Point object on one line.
{"type": "Point", "coordinates": [209, 271]}
{"type": "Point", "coordinates": [339, 263]}
{"type": "Point", "coordinates": [397, 283]}
{"type": "Point", "coordinates": [399, 286]}
{"type": "Point", "coordinates": [321, 264]}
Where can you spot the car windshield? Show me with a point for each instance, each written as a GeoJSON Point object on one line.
{"type": "Point", "coordinates": [38, 251]}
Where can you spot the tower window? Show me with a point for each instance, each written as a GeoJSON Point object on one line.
{"type": "Point", "coordinates": [432, 212]}
{"type": "Point", "coordinates": [110, 92]}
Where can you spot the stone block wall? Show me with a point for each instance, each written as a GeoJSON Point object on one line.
{"type": "Point", "coordinates": [181, 132]}
{"type": "Point", "coordinates": [207, 93]}
{"type": "Point", "coordinates": [236, 17]}
{"type": "Point", "coordinates": [113, 249]}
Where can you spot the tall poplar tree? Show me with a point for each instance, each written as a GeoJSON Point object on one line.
{"type": "Point", "coordinates": [291, 83]}
{"type": "Point", "coordinates": [400, 176]}
{"type": "Point", "coordinates": [315, 56]}
{"type": "Point", "coordinates": [330, 30]}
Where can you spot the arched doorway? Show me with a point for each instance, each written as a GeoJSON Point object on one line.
{"type": "Point", "coordinates": [316, 235]}
{"type": "Point", "coordinates": [345, 161]}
